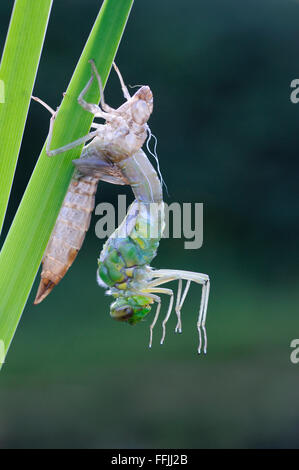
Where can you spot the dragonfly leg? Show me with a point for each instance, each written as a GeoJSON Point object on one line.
{"type": "Point", "coordinates": [45, 105]}
{"type": "Point", "coordinates": [154, 322]}
{"type": "Point", "coordinates": [178, 327]}
{"type": "Point", "coordinates": [169, 292]}
{"type": "Point", "coordinates": [167, 314]}
{"type": "Point", "coordinates": [91, 107]}
{"type": "Point", "coordinates": [163, 276]}
{"type": "Point", "coordinates": [180, 302]}
{"type": "Point", "coordinates": [157, 299]}
{"type": "Point", "coordinates": [65, 148]}
{"type": "Point", "coordinates": [51, 110]}
{"type": "Point", "coordinates": [203, 315]}
{"type": "Point", "coordinates": [54, 113]}
{"type": "Point", "coordinates": [105, 106]}
{"type": "Point", "coordinates": [122, 83]}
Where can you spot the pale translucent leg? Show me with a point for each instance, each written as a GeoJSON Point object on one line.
{"type": "Point", "coordinates": [91, 107]}
{"type": "Point", "coordinates": [65, 148]}
{"type": "Point", "coordinates": [201, 323]}
{"type": "Point", "coordinates": [163, 276]}
{"type": "Point", "coordinates": [154, 322]}
{"type": "Point", "coordinates": [180, 303]}
{"type": "Point", "coordinates": [95, 125]}
{"type": "Point", "coordinates": [105, 106]}
{"type": "Point", "coordinates": [45, 105]}
{"type": "Point", "coordinates": [167, 314]}
{"type": "Point", "coordinates": [161, 291]}
{"type": "Point", "coordinates": [51, 110]}
{"type": "Point", "coordinates": [177, 307]}
{"type": "Point", "coordinates": [157, 299]}
{"type": "Point", "coordinates": [122, 83]}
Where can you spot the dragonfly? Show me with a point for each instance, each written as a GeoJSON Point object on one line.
{"type": "Point", "coordinates": [124, 266]}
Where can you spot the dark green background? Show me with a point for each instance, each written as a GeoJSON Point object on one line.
{"type": "Point", "coordinates": [228, 136]}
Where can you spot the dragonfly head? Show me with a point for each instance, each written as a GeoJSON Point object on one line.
{"type": "Point", "coordinates": [142, 105]}
{"type": "Point", "coordinates": [131, 309]}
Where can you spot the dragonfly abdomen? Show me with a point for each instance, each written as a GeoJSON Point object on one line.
{"type": "Point", "coordinates": [68, 233]}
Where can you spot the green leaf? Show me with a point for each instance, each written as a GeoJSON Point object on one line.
{"type": "Point", "coordinates": [26, 241]}
{"type": "Point", "coordinates": [17, 75]}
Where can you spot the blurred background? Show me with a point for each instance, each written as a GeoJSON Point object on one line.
{"type": "Point", "coordinates": [228, 137]}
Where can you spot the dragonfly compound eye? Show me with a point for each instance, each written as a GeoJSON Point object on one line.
{"type": "Point", "coordinates": [122, 314]}
{"type": "Point", "coordinates": [130, 310]}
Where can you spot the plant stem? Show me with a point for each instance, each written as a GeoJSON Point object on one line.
{"type": "Point", "coordinates": [26, 241]}
{"type": "Point", "coordinates": [18, 70]}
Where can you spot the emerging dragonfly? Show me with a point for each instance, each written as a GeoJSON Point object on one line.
{"type": "Point", "coordinates": [115, 155]}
